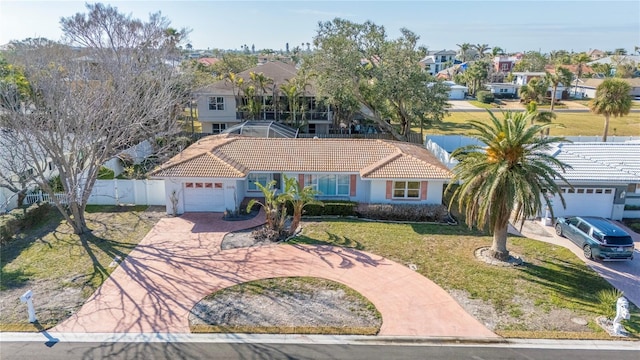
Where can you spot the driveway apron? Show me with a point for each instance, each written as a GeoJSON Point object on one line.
{"type": "Point", "coordinates": [180, 261]}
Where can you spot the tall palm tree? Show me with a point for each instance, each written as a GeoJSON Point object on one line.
{"type": "Point", "coordinates": [580, 59]}
{"type": "Point", "coordinates": [261, 81]}
{"type": "Point", "coordinates": [560, 76]}
{"type": "Point", "coordinates": [481, 48]}
{"type": "Point", "coordinates": [464, 48]}
{"type": "Point", "coordinates": [505, 176]}
{"type": "Point", "coordinates": [496, 50]}
{"type": "Point", "coordinates": [612, 99]}
{"type": "Point", "coordinates": [299, 196]}
{"type": "Point", "coordinates": [292, 93]}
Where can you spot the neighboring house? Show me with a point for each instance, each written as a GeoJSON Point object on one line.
{"type": "Point", "coordinates": [503, 90]}
{"type": "Point", "coordinates": [596, 54]}
{"type": "Point", "coordinates": [435, 61]}
{"type": "Point", "coordinates": [218, 172]}
{"type": "Point", "coordinates": [616, 59]}
{"type": "Point", "coordinates": [523, 78]}
{"type": "Point", "coordinates": [504, 64]}
{"type": "Point", "coordinates": [456, 92]}
{"type": "Point", "coordinates": [604, 176]}
{"type": "Point", "coordinates": [218, 106]}
{"type": "Point", "coordinates": [207, 61]}
{"type": "Point", "coordinates": [586, 88]}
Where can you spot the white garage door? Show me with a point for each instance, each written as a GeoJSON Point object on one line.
{"type": "Point", "coordinates": [203, 196]}
{"type": "Point", "coordinates": [585, 201]}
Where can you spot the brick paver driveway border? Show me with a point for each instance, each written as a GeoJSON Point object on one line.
{"type": "Point", "coordinates": [180, 261]}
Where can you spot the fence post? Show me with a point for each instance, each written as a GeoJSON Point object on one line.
{"type": "Point", "coordinates": [115, 191]}
{"type": "Point", "coordinates": [40, 196]}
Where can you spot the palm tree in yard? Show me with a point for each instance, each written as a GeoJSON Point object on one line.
{"type": "Point", "coordinates": [580, 59]}
{"type": "Point", "coordinates": [505, 176]}
{"type": "Point", "coordinates": [612, 99]}
{"type": "Point", "coordinates": [481, 49]}
{"type": "Point", "coordinates": [561, 76]}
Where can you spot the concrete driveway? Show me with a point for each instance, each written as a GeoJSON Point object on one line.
{"type": "Point", "coordinates": [180, 261]}
{"type": "Point", "coordinates": [624, 276]}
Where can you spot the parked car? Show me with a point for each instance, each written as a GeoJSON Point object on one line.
{"type": "Point", "coordinates": [599, 238]}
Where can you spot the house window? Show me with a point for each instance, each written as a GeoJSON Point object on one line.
{"type": "Point", "coordinates": [505, 67]}
{"type": "Point", "coordinates": [333, 185]}
{"type": "Point", "coordinates": [312, 128]}
{"type": "Point", "coordinates": [188, 185]}
{"type": "Point", "coordinates": [262, 179]}
{"type": "Point", "coordinates": [208, 185]}
{"type": "Point", "coordinates": [50, 165]}
{"type": "Point", "coordinates": [631, 188]}
{"type": "Point", "coordinates": [406, 189]}
{"type": "Point", "coordinates": [218, 185]}
{"type": "Point", "coordinates": [199, 185]}
{"type": "Point", "coordinates": [218, 128]}
{"type": "Point", "coordinates": [312, 181]}
{"type": "Point", "coordinates": [216, 103]}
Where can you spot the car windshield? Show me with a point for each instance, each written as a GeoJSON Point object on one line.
{"type": "Point", "coordinates": [618, 240]}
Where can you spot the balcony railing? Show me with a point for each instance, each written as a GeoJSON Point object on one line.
{"type": "Point", "coordinates": [287, 116]}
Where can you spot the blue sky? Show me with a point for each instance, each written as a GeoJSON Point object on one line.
{"type": "Point", "coordinates": [514, 25]}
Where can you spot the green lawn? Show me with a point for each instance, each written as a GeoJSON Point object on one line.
{"type": "Point", "coordinates": [552, 277]}
{"type": "Point", "coordinates": [51, 255]}
{"type": "Point", "coordinates": [567, 124]}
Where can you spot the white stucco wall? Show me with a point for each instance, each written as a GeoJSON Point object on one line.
{"type": "Point", "coordinates": [226, 115]}
{"type": "Point", "coordinates": [176, 184]}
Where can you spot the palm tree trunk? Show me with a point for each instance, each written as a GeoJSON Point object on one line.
{"type": "Point", "coordinates": [499, 245]}
{"type": "Point", "coordinates": [606, 128]}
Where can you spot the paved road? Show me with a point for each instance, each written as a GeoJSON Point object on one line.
{"type": "Point", "coordinates": [174, 351]}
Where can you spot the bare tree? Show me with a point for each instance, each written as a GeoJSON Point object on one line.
{"type": "Point", "coordinates": [89, 104]}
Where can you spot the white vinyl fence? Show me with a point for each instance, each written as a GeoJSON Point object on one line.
{"type": "Point", "coordinates": [116, 192]}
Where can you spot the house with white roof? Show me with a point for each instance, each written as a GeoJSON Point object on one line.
{"type": "Point", "coordinates": [604, 177]}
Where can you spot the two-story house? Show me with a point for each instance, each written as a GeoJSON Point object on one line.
{"type": "Point", "coordinates": [436, 61]}
{"type": "Point", "coordinates": [224, 104]}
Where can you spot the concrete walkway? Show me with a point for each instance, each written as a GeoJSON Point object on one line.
{"type": "Point", "coordinates": [180, 261]}
{"type": "Point", "coordinates": [624, 276]}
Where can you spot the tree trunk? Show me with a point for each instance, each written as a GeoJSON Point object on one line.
{"type": "Point", "coordinates": [78, 221]}
{"type": "Point", "coordinates": [606, 128]}
{"type": "Point", "coordinates": [553, 98]}
{"type": "Point", "coordinates": [499, 245]}
{"type": "Point", "coordinates": [295, 221]}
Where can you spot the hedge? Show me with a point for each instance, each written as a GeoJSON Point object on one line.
{"type": "Point", "coordinates": [21, 219]}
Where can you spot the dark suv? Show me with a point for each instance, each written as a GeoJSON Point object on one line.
{"type": "Point", "coordinates": [599, 238]}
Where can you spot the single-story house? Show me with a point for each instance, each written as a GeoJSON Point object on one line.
{"type": "Point", "coordinates": [219, 171]}
{"type": "Point", "coordinates": [503, 90]}
{"type": "Point", "coordinates": [586, 88]}
{"type": "Point", "coordinates": [456, 92]}
{"type": "Point", "coordinates": [605, 177]}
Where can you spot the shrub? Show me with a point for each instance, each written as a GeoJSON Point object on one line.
{"type": "Point", "coordinates": [485, 97]}
{"type": "Point", "coordinates": [56, 184]}
{"type": "Point", "coordinates": [20, 219]}
{"type": "Point", "coordinates": [329, 208]}
{"type": "Point", "coordinates": [404, 212]}
{"type": "Point", "coordinates": [607, 300]}
{"type": "Point", "coordinates": [105, 173]}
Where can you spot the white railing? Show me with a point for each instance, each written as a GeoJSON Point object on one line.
{"type": "Point", "coordinates": [44, 197]}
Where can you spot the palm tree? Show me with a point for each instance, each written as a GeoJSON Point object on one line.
{"type": "Point", "coordinates": [496, 50]}
{"type": "Point", "coordinates": [481, 48]}
{"type": "Point", "coordinates": [464, 48]}
{"type": "Point", "coordinates": [260, 81]}
{"type": "Point", "coordinates": [298, 196]}
{"type": "Point", "coordinates": [612, 99]}
{"type": "Point", "coordinates": [534, 90]}
{"type": "Point", "coordinates": [560, 76]}
{"type": "Point", "coordinates": [505, 176]}
{"type": "Point", "coordinates": [292, 92]}
{"type": "Point", "coordinates": [580, 59]}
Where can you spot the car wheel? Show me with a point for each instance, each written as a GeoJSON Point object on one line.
{"type": "Point", "coordinates": [587, 252]}
{"type": "Point", "coordinates": [558, 229]}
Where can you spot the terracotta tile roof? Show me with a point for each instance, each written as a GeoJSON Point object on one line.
{"type": "Point", "coordinates": [234, 156]}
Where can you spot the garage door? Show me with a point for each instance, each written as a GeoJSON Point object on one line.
{"type": "Point", "coordinates": [585, 201]}
{"type": "Point", "coordinates": [203, 196]}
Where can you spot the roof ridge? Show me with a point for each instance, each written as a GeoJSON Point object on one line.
{"type": "Point", "coordinates": [384, 161]}
{"type": "Point", "coordinates": [169, 165]}
{"type": "Point", "coordinates": [223, 159]}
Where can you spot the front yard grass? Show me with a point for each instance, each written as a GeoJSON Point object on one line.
{"type": "Point", "coordinates": [64, 269]}
{"type": "Point", "coordinates": [551, 278]}
{"type": "Point", "coordinates": [569, 124]}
